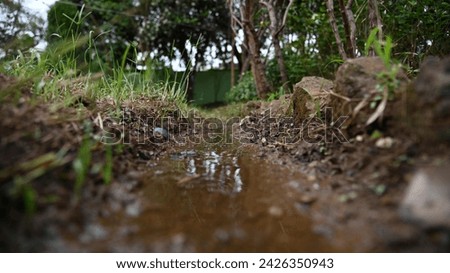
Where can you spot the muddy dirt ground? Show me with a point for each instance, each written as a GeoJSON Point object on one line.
{"type": "Point", "coordinates": [256, 194]}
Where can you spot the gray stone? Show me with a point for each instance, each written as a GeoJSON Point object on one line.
{"type": "Point", "coordinates": [357, 85]}
{"type": "Point", "coordinates": [311, 94]}
{"type": "Point", "coordinates": [160, 133]}
{"type": "Point", "coordinates": [357, 78]}
{"type": "Point", "coordinates": [427, 198]}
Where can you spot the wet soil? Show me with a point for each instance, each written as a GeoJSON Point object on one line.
{"type": "Point", "coordinates": [212, 200]}
{"type": "Point", "coordinates": [261, 196]}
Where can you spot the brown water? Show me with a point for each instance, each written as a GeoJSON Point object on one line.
{"type": "Point", "coordinates": [212, 199]}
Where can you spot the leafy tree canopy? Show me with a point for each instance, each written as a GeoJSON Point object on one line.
{"type": "Point", "coordinates": [19, 29]}
{"type": "Point", "coordinates": [166, 26]}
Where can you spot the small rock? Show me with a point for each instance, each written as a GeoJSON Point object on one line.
{"type": "Point", "coordinates": [159, 132]}
{"type": "Point", "coordinates": [275, 211]}
{"type": "Point", "coordinates": [293, 184]}
{"type": "Point", "coordinates": [427, 198]}
{"type": "Point", "coordinates": [344, 198]}
{"type": "Point", "coordinates": [359, 138]}
{"type": "Point", "coordinates": [133, 209]}
{"type": "Point", "coordinates": [263, 140]}
{"type": "Point", "coordinates": [310, 95]}
{"type": "Point", "coordinates": [222, 235]}
{"type": "Point", "coordinates": [316, 186]}
{"type": "Point", "coordinates": [385, 143]}
{"type": "Point", "coordinates": [93, 232]}
{"type": "Point", "coordinates": [308, 199]}
{"type": "Point", "coordinates": [311, 178]}
{"type": "Point", "coordinates": [145, 155]}
{"type": "Point", "coordinates": [261, 154]}
{"type": "Point", "coordinates": [379, 189]}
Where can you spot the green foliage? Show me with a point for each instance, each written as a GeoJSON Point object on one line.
{"type": "Point", "coordinates": [382, 48]}
{"type": "Point", "coordinates": [81, 164]}
{"type": "Point", "coordinates": [24, 173]}
{"type": "Point", "coordinates": [300, 65]}
{"type": "Point", "coordinates": [106, 24]}
{"type": "Point", "coordinates": [29, 199]}
{"type": "Point", "coordinates": [276, 95]}
{"type": "Point", "coordinates": [418, 28]}
{"type": "Point", "coordinates": [244, 90]}
{"type": "Point", "coordinates": [169, 24]}
{"type": "Point", "coordinates": [313, 51]}
{"type": "Point", "coordinates": [19, 29]}
{"type": "Point", "coordinates": [108, 167]}
{"type": "Point", "coordinates": [61, 22]}
{"type": "Point", "coordinates": [388, 82]}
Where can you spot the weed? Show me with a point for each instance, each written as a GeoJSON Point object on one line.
{"type": "Point", "coordinates": [387, 79]}
{"type": "Point", "coordinates": [29, 199]}
{"type": "Point", "coordinates": [81, 164]}
{"type": "Point", "coordinates": [108, 167]}
{"type": "Point", "coordinates": [276, 95]}
{"type": "Point", "coordinates": [26, 172]}
{"type": "Point", "coordinates": [383, 49]}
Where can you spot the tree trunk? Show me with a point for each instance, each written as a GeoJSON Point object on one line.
{"type": "Point", "coordinates": [275, 30]}
{"type": "Point", "coordinates": [334, 27]}
{"type": "Point", "coordinates": [349, 27]}
{"type": "Point", "coordinates": [375, 21]}
{"type": "Point", "coordinates": [263, 87]}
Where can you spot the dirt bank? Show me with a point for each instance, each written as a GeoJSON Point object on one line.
{"type": "Point", "coordinates": [358, 175]}
{"type": "Point", "coordinates": [143, 176]}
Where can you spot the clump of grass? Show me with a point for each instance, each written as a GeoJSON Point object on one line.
{"type": "Point", "coordinates": [63, 67]}
{"type": "Point", "coordinates": [25, 173]}
{"type": "Point", "coordinates": [388, 82]}
{"type": "Point", "coordinates": [81, 164]}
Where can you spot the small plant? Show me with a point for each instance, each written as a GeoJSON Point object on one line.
{"type": "Point", "coordinates": [388, 82]}
{"type": "Point", "coordinates": [276, 95]}
{"type": "Point", "coordinates": [383, 49]}
{"type": "Point", "coordinates": [244, 90]}
{"type": "Point", "coordinates": [108, 167]}
{"type": "Point", "coordinates": [29, 199]}
{"type": "Point", "coordinates": [25, 173]}
{"type": "Point", "coordinates": [81, 164]}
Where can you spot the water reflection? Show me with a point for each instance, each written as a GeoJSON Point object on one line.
{"type": "Point", "coordinates": [213, 170]}
{"type": "Point", "coordinates": [214, 200]}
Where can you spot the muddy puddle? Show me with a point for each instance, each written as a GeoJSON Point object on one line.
{"type": "Point", "coordinates": [211, 199]}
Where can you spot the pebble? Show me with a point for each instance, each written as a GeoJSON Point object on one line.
{"type": "Point", "coordinates": [385, 143]}
{"type": "Point", "coordinates": [313, 164]}
{"type": "Point", "coordinates": [275, 211]}
{"type": "Point", "coordinates": [308, 199]}
{"type": "Point", "coordinates": [160, 132]}
{"type": "Point", "coordinates": [133, 209]}
{"type": "Point", "coordinates": [312, 178]}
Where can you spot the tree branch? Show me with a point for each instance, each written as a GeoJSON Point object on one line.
{"type": "Point", "coordinates": [330, 11]}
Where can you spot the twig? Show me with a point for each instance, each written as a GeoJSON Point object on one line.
{"type": "Point", "coordinates": [339, 96]}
